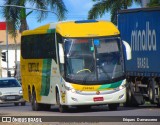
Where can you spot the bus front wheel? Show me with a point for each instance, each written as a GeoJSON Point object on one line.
{"type": "Point", "coordinates": [61, 108]}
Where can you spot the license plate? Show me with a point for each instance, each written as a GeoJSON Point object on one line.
{"type": "Point", "coordinates": [96, 99]}
{"type": "Point", "coordinates": [11, 97]}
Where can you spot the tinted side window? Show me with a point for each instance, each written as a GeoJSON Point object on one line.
{"type": "Point", "coordinates": [40, 46]}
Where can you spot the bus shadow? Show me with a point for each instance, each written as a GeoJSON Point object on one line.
{"type": "Point", "coordinates": [103, 109]}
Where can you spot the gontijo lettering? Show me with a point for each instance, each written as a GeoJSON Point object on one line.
{"type": "Point", "coordinates": [33, 67]}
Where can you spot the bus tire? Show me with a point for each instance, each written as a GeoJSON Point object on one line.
{"type": "Point", "coordinates": [113, 107]}
{"type": "Point", "coordinates": [35, 105]}
{"type": "Point", "coordinates": [61, 108]}
{"type": "Point", "coordinates": [128, 97]}
{"type": "Point", "coordinates": [128, 102]}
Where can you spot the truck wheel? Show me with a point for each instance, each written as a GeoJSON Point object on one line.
{"type": "Point", "coordinates": [158, 104]}
{"type": "Point", "coordinates": [113, 107]}
{"type": "Point", "coordinates": [128, 96]}
{"type": "Point", "coordinates": [151, 94]}
{"type": "Point", "coordinates": [35, 105]}
{"type": "Point", "coordinates": [61, 108]}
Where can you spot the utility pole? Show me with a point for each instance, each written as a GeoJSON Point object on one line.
{"type": "Point", "coordinates": [7, 46]}
{"type": "Point", "coordinates": [0, 61]}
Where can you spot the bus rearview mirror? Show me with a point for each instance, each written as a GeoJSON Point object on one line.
{"type": "Point", "coordinates": [128, 50]}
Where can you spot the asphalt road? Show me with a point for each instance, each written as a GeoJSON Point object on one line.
{"type": "Point", "coordinates": [95, 114]}
{"type": "Point", "coordinates": [145, 110]}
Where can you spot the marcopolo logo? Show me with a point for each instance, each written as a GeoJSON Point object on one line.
{"type": "Point", "coordinates": [143, 39]}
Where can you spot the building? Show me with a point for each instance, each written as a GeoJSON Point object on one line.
{"type": "Point", "coordinates": [12, 47]}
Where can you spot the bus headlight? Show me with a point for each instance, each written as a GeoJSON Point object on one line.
{"type": "Point", "coordinates": [67, 88]}
{"type": "Point", "coordinates": [70, 89]}
{"type": "Point", "coordinates": [122, 86]}
{"type": "Point", "coordinates": [73, 90]}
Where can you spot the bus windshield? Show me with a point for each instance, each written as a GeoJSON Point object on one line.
{"type": "Point", "coordinates": [93, 60]}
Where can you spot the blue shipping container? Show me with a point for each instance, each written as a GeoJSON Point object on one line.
{"type": "Point", "coordinates": [141, 29]}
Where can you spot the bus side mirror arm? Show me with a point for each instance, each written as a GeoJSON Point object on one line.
{"type": "Point", "coordinates": [128, 50]}
{"type": "Point", "coordinates": [61, 53]}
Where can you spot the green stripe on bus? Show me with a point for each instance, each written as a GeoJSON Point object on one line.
{"type": "Point", "coordinates": [109, 86]}
{"type": "Point", "coordinates": [50, 30]}
{"type": "Point", "coordinates": [46, 73]}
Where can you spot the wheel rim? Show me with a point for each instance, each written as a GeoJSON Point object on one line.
{"type": "Point", "coordinates": [150, 94]}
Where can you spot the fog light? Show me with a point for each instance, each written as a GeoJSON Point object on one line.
{"type": "Point", "coordinates": [121, 87]}
{"type": "Point", "coordinates": [74, 99]}
{"type": "Point", "coordinates": [121, 96]}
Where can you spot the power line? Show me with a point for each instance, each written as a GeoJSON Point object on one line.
{"type": "Point", "coordinates": [31, 9]}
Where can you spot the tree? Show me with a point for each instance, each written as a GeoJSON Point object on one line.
{"type": "Point", "coordinates": [102, 6]}
{"type": "Point", "coordinates": [154, 3]}
{"type": "Point", "coordinates": [16, 17]}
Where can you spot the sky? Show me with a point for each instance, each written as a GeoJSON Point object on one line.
{"type": "Point", "coordinates": [77, 10]}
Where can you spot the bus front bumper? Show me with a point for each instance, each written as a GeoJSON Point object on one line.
{"type": "Point", "coordinates": [94, 98]}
